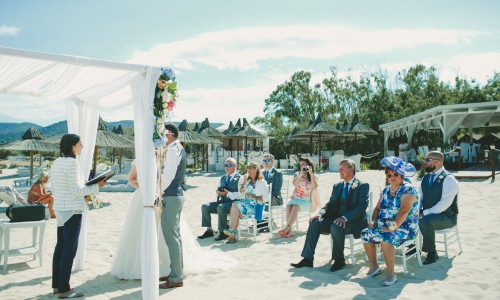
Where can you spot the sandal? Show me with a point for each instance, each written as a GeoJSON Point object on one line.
{"type": "Point", "coordinates": [70, 294]}
{"type": "Point", "coordinates": [282, 231]}
{"type": "Point", "coordinates": [55, 291]}
{"type": "Point", "coordinates": [229, 232]}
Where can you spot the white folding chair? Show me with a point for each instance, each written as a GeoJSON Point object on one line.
{"type": "Point", "coordinates": [352, 243]}
{"type": "Point", "coordinates": [251, 222]}
{"type": "Point", "coordinates": [277, 213]}
{"type": "Point", "coordinates": [407, 247]}
{"type": "Point", "coordinates": [450, 236]}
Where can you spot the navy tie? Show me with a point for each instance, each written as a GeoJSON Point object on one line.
{"type": "Point", "coordinates": [345, 190]}
{"type": "Point", "coordinates": [228, 179]}
{"type": "Point", "coordinates": [431, 178]}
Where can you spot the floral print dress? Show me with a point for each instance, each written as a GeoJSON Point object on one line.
{"type": "Point", "coordinates": [389, 208]}
{"type": "Point", "coordinates": [248, 206]}
{"type": "Point", "coordinates": [301, 195]}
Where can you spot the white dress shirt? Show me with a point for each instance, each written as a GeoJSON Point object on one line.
{"type": "Point", "coordinates": [235, 195]}
{"type": "Point", "coordinates": [450, 189]}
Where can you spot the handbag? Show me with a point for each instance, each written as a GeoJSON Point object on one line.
{"type": "Point", "coordinates": [26, 213]}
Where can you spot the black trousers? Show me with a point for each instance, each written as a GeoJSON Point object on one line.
{"type": "Point", "coordinates": [64, 253]}
{"type": "Point", "coordinates": [429, 224]}
{"type": "Point", "coordinates": [326, 226]}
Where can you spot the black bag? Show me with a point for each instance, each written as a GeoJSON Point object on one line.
{"type": "Point", "coordinates": [26, 213]}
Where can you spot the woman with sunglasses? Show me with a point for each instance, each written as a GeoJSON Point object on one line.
{"type": "Point", "coordinates": [394, 219]}
{"type": "Point", "coordinates": [254, 190]}
{"type": "Point", "coordinates": [305, 183]}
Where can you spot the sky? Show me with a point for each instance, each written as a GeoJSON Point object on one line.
{"type": "Point", "coordinates": [230, 55]}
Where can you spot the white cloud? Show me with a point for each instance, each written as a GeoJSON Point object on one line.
{"type": "Point", "coordinates": [244, 48]}
{"type": "Point", "coordinates": [6, 30]}
{"type": "Point", "coordinates": [479, 66]}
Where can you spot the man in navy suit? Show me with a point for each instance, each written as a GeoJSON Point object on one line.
{"type": "Point", "coordinates": [343, 214]}
{"type": "Point", "coordinates": [273, 177]}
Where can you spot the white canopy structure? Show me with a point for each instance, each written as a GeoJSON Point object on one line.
{"type": "Point", "coordinates": [88, 86]}
{"type": "Point", "coordinates": [447, 118]}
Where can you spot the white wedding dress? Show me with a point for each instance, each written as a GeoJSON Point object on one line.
{"type": "Point", "coordinates": [127, 261]}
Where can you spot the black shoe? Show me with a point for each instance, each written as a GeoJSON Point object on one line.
{"type": "Point", "coordinates": [222, 236]}
{"type": "Point", "coordinates": [208, 233]}
{"type": "Point", "coordinates": [431, 258]}
{"type": "Point", "coordinates": [264, 230]}
{"type": "Point", "coordinates": [305, 262]}
{"type": "Point", "coordinates": [413, 249]}
{"type": "Point", "coordinates": [337, 265]}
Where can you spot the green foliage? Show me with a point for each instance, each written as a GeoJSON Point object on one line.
{"type": "Point", "coordinates": [296, 101]}
{"type": "Point", "coordinates": [242, 168]}
{"type": "Point", "coordinates": [14, 166]}
{"type": "Point", "coordinates": [3, 166]}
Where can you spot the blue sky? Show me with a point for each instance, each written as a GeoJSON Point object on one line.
{"type": "Point", "coordinates": [230, 55]}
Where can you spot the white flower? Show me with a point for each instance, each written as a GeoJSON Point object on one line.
{"type": "Point", "coordinates": [165, 112]}
{"type": "Point", "coordinates": [166, 97]}
{"type": "Point", "coordinates": [159, 121]}
{"type": "Point", "coordinates": [354, 185]}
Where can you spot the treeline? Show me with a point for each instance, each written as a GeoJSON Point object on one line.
{"type": "Point", "coordinates": [375, 97]}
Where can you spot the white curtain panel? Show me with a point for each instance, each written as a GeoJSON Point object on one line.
{"type": "Point", "coordinates": [146, 172]}
{"type": "Point", "coordinates": [451, 123]}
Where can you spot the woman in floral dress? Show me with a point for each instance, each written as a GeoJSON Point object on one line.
{"type": "Point", "coordinates": [394, 219]}
{"type": "Point", "coordinates": [254, 190]}
{"type": "Point", "coordinates": [305, 181]}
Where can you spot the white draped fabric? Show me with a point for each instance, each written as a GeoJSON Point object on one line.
{"type": "Point", "coordinates": [88, 87]}
{"type": "Point", "coordinates": [447, 118]}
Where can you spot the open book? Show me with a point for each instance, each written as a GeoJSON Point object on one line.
{"type": "Point", "coordinates": [108, 174]}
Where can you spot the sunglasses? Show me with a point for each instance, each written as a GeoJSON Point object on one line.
{"type": "Point", "coordinates": [428, 159]}
{"type": "Point", "coordinates": [390, 175]}
{"type": "Point", "coordinates": [266, 160]}
{"type": "Point", "coordinates": [228, 165]}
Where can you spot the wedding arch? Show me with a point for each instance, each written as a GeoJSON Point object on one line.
{"type": "Point", "coordinates": [86, 87]}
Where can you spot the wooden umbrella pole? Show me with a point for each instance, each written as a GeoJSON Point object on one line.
{"type": "Point", "coordinates": [95, 161]}
{"type": "Point", "coordinates": [31, 164]}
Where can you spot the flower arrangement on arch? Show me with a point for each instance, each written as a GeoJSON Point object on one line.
{"type": "Point", "coordinates": [163, 104]}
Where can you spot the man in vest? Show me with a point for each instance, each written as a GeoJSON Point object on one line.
{"type": "Point", "coordinates": [173, 200]}
{"type": "Point", "coordinates": [227, 192]}
{"type": "Point", "coordinates": [438, 197]}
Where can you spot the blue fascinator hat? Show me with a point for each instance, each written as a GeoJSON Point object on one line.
{"type": "Point", "coordinates": [399, 166]}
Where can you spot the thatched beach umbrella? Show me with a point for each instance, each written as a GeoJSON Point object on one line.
{"type": "Point", "coordinates": [32, 142]}
{"type": "Point", "coordinates": [211, 132]}
{"type": "Point", "coordinates": [321, 130]}
{"type": "Point", "coordinates": [243, 132]}
{"type": "Point", "coordinates": [359, 130]}
{"type": "Point", "coordinates": [187, 136]}
{"type": "Point", "coordinates": [107, 139]}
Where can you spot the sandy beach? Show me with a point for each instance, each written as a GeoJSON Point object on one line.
{"type": "Point", "coordinates": [263, 270]}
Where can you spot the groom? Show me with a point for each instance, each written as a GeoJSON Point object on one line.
{"type": "Point", "coordinates": [173, 200]}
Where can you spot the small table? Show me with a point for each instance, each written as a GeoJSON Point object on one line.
{"type": "Point", "coordinates": [34, 249]}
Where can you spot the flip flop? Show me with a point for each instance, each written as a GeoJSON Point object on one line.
{"type": "Point", "coordinates": [287, 236]}
{"type": "Point", "coordinates": [389, 283]}
{"type": "Point", "coordinates": [378, 271]}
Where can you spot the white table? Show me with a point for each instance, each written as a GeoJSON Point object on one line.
{"type": "Point", "coordinates": [36, 245]}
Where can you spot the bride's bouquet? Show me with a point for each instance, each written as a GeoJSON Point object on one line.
{"type": "Point", "coordinates": [93, 201]}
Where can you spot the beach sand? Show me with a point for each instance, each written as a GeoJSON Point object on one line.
{"type": "Point", "coordinates": [263, 270]}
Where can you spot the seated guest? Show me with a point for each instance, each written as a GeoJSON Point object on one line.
{"type": "Point", "coordinates": [305, 182]}
{"type": "Point", "coordinates": [38, 195]}
{"type": "Point", "coordinates": [274, 177]}
{"type": "Point", "coordinates": [439, 210]}
{"type": "Point", "coordinates": [343, 214]}
{"type": "Point", "coordinates": [227, 192]}
{"type": "Point", "coordinates": [394, 219]}
{"type": "Point", "coordinates": [254, 189]}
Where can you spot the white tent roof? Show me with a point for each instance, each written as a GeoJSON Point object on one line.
{"type": "Point", "coordinates": [447, 118]}
{"type": "Point", "coordinates": [89, 86]}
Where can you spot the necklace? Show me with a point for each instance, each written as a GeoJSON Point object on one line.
{"type": "Point", "coordinates": [393, 191]}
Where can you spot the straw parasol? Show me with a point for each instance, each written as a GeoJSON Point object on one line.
{"type": "Point", "coordinates": [187, 136]}
{"type": "Point", "coordinates": [32, 142]}
{"type": "Point", "coordinates": [209, 131]}
{"type": "Point", "coordinates": [107, 139]}
{"type": "Point", "coordinates": [321, 130]}
{"type": "Point", "coordinates": [243, 131]}
{"type": "Point", "coordinates": [359, 130]}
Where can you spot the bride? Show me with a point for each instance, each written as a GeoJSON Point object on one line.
{"type": "Point", "coordinates": [127, 261]}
